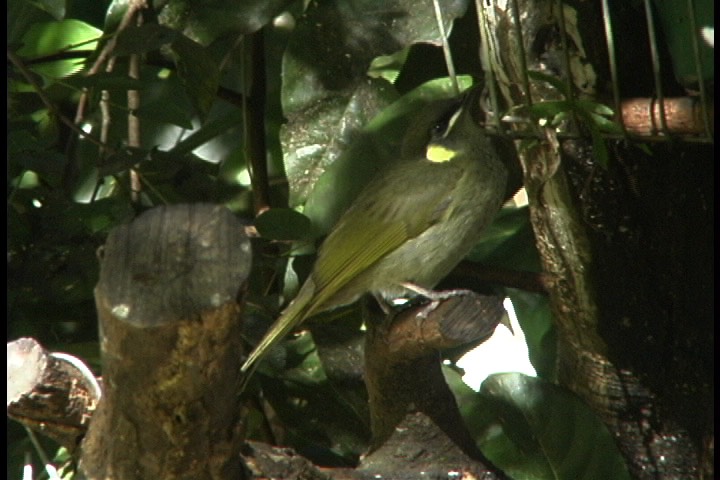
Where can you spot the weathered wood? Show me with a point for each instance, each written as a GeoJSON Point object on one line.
{"type": "Point", "coordinates": [624, 243]}
{"type": "Point", "coordinates": [682, 116]}
{"type": "Point", "coordinates": [419, 413]}
{"type": "Point", "coordinates": [168, 302]}
{"type": "Point", "coordinates": [53, 394]}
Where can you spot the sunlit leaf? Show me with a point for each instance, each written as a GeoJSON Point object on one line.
{"type": "Point", "coordinates": [48, 38]}
{"type": "Point", "coordinates": [388, 66]}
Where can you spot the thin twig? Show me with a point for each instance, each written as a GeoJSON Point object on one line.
{"type": "Point", "coordinates": [106, 52]}
{"type": "Point", "coordinates": [133, 102]}
{"type": "Point", "coordinates": [254, 124]}
{"type": "Point", "coordinates": [27, 74]}
{"type": "Point", "coordinates": [446, 48]}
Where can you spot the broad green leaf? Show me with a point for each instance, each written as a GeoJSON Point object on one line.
{"type": "Point", "coordinates": [674, 20]}
{"type": "Point", "coordinates": [47, 164]}
{"type": "Point", "coordinates": [508, 241]}
{"type": "Point", "coordinates": [21, 15]}
{"type": "Point", "coordinates": [206, 21]}
{"type": "Point", "coordinates": [177, 113]}
{"type": "Point", "coordinates": [600, 151]}
{"type": "Point", "coordinates": [314, 138]}
{"type": "Point", "coordinates": [606, 124]}
{"type": "Point", "coordinates": [542, 431]}
{"type": "Point", "coordinates": [335, 42]}
{"type": "Point", "coordinates": [199, 73]}
{"type": "Point", "coordinates": [283, 224]}
{"type": "Point", "coordinates": [536, 320]}
{"type": "Point", "coordinates": [143, 39]}
{"type": "Point", "coordinates": [595, 107]}
{"type": "Point", "coordinates": [48, 38]}
{"type": "Point", "coordinates": [388, 66]}
{"type": "Point", "coordinates": [102, 215]}
{"type": "Point", "coordinates": [326, 96]}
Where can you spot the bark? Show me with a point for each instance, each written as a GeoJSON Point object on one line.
{"type": "Point", "coordinates": [415, 421]}
{"type": "Point", "coordinates": [53, 394]}
{"type": "Point", "coordinates": [169, 300]}
{"type": "Point", "coordinates": [627, 269]}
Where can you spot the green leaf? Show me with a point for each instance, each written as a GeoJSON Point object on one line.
{"type": "Point", "coordinates": [536, 320]}
{"type": "Point", "coordinates": [178, 112]}
{"type": "Point", "coordinates": [605, 124]}
{"type": "Point", "coordinates": [48, 165]}
{"type": "Point", "coordinates": [48, 38]}
{"type": "Point", "coordinates": [549, 109]}
{"type": "Point", "coordinates": [600, 151]}
{"type": "Point", "coordinates": [326, 96]}
{"type": "Point", "coordinates": [595, 107]}
{"type": "Point", "coordinates": [143, 39]}
{"type": "Point", "coordinates": [211, 129]}
{"type": "Point", "coordinates": [199, 73]}
{"type": "Point", "coordinates": [283, 224]}
{"type": "Point", "coordinates": [388, 66]}
{"type": "Point", "coordinates": [316, 137]}
{"type": "Point", "coordinates": [555, 82]}
{"type": "Point", "coordinates": [675, 24]}
{"type": "Point", "coordinates": [21, 15]}
{"type": "Point", "coordinates": [102, 215]}
{"type": "Point", "coordinates": [335, 42]}
{"type": "Point", "coordinates": [542, 431]}
{"type": "Point", "coordinates": [509, 242]}
{"type": "Point", "coordinates": [56, 8]}
{"type": "Point", "coordinates": [207, 21]}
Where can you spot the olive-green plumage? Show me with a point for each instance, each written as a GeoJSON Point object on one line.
{"type": "Point", "coordinates": [412, 224]}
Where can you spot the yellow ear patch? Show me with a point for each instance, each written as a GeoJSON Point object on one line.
{"type": "Point", "coordinates": [438, 153]}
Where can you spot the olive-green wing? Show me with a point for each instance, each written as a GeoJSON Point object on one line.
{"type": "Point", "coordinates": [369, 231]}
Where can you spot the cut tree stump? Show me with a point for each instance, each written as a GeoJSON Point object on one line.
{"type": "Point", "coordinates": [169, 300]}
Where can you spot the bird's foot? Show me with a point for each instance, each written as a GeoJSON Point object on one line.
{"type": "Point", "coordinates": [435, 297]}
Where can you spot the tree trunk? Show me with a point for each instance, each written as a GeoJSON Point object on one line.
{"type": "Point", "coordinates": [169, 300]}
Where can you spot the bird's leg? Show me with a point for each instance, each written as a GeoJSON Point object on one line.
{"type": "Point", "coordinates": [384, 305]}
{"type": "Point", "coordinates": [435, 297]}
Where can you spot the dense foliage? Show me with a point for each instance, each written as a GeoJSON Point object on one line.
{"type": "Point", "coordinates": [272, 108]}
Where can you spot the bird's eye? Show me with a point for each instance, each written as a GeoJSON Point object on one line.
{"type": "Point", "coordinates": [441, 125]}
{"type": "Point", "coordinates": [440, 128]}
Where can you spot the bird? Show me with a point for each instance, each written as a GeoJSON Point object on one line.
{"type": "Point", "coordinates": [413, 223]}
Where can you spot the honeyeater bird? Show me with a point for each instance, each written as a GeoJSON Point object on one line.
{"type": "Point", "coordinates": [413, 223]}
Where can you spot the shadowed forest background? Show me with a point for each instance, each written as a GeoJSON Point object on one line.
{"type": "Point", "coordinates": [281, 110]}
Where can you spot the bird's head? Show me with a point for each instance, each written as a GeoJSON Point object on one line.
{"type": "Point", "coordinates": [446, 128]}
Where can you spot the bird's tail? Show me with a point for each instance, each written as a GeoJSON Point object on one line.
{"type": "Point", "coordinates": [298, 310]}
